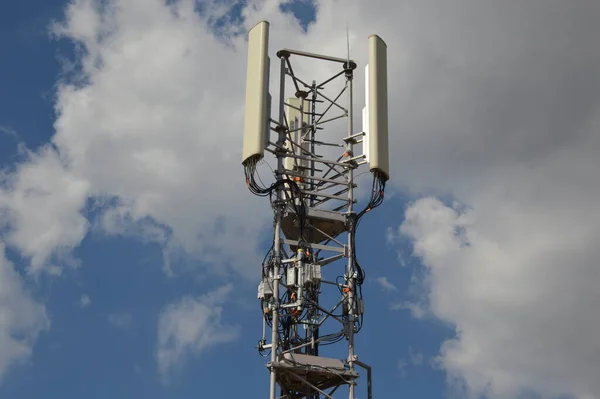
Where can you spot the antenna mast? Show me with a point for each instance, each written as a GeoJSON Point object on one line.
{"type": "Point", "coordinates": [311, 282]}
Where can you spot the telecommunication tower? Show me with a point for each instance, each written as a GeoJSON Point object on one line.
{"type": "Point", "coordinates": [310, 289]}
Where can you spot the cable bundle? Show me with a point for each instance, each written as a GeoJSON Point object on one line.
{"type": "Point", "coordinates": [293, 194]}
{"type": "Point", "coordinates": [376, 199]}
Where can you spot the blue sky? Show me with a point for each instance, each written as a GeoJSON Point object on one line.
{"type": "Point", "coordinates": [125, 215]}
{"type": "Point", "coordinates": [88, 353]}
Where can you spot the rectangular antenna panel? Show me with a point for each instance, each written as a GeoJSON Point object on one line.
{"type": "Point", "coordinates": [268, 118]}
{"type": "Point", "coordinates": [378, 106]}
{"type": "Point", "coordinates": [256, 122]}
{"type": "Point", "coordinates": [365, 116]}
{"type": "Point", "coordinates": [293, 116]}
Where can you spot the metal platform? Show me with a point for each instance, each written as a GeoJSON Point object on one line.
{"type": "Point", "coordinates": [322, 225]}
{"type": "Point", "coordinates": [303, 375]}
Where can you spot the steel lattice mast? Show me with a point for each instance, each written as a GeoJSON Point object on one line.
{"type": "Point", "coordinates": [310, 288]}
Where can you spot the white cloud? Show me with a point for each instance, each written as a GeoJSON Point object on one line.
{"type": "Point", "coordinates": [22, 319]}
{"type": "Point", "coordinates": [385, 284]}
{"type": "Point", "coordinates": [41, 202]}
{"type": "Point", "coordinates": [84, 301]}
{"type": "Point", "coordinates": [155, 141]}
{"type": "Point", "coordinates": [519, 285]}
{"type": "Point", "coordinates": [191, 325]}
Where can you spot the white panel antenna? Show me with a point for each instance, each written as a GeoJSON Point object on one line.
{"type": "Point", "coordinates": [293, 116]}
{"type": "Point", "coordinates": [257, 112]}
{"type": "Point", "coordinates": [268, 117]}
{"type": "Point", "coordinates": [365, 116]}
{"type": "Point", "coordinates": [377, 109]}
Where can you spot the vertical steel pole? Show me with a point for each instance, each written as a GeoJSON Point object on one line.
{"type": "Point", "coordinates": [313, 119]}
{"type": "Point", "coordinates": [277, 239]}
{"type": "Point", "coordinates": [350, 267]}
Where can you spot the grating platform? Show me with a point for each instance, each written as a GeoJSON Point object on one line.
{"type": "Point", "coordinates": [321, 224]}
{"type": "Point", "coordinates": [297, 372]}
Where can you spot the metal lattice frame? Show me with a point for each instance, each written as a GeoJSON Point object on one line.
{"type": "Point", "coordinates": [293, 282]}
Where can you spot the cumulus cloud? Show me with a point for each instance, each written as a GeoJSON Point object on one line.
{"type": "Point", "coordinates": [190, 326]}
{"type": "Point", "coordinates": [154, 141]}
{"type": "Point", "coordinates": [521, 293]}
{"type": "Point", "coordinates": [22, 318]}
{"type": "Point", "coordinates": [41, 202]}
{"type": "Point", "coordinates": [172, 157]}
{"type": "Point", "coordinates": [499, 108]}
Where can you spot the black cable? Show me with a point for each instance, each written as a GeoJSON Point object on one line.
{"type": "Point", "coordinates": [296, 199]}
{"type": "Point", "coordinates": [293, 195]}
{"type": "Point", "coordinates": [377, 196]}
{"type": "Point", "coordinates": [265, 262]}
